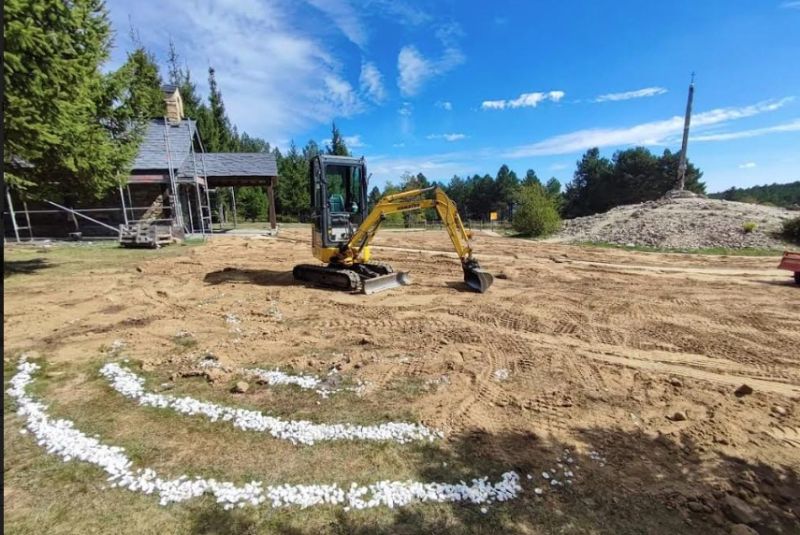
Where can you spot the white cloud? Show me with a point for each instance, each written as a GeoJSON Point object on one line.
{"type": "Point", "coordinates": [444, 104]}
{"type": "Point", "coordinates": [398, 145]}
{"type": "Point", "coordinates": [277, 80]}
{"type": "Point", "coordinates": [445, 165]}
{"type": "Point", "coordinates": [558, 166]}
{"type": "Point", "coordinates": [371, 82]}
{"type": "Point", "coordinates": [792, 126]}
{"type": "Point", "coordinates": [525, 100]}
{"type": "Point", "coordinates": [447, 137]}
{"type": "Point", "coordinates": [400, 12]}
{"type": "Point", "coordinates": [793, 4]}
{"type": "Point", "coordinates": [652, 133]}
{"type": "Point", "coordinates": [747, 165]}
{"type": "Point", "coordinates": [345, 17]}
{"type": "Point", "coordinates": [627, 95]}
{"type": "Point", "coordinates": [406, 121]}
{"type": "Point", "coordinates": [414, 69]}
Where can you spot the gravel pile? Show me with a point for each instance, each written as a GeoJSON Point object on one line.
{"type": "Point", "coordinates": [681, 222]}
{"type": "Point", "coordinates": [60, 437]}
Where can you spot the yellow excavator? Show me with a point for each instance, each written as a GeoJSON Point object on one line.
{"type": "Point", "coordinates": [342, 229]}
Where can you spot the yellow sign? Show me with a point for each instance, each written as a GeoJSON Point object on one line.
{"type": "Point", "coordinates": [492, 216]}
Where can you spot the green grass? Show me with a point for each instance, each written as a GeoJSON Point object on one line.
{"type": "Point", "coordinates": [721, 251]}
{"type": "Point", "coordinates": [21, 262]}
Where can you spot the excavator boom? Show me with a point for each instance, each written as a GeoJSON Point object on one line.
{"type": "Point", "coordinates": [414, 201]}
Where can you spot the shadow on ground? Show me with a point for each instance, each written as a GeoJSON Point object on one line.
{"type": "Point", "coordinates": [14, 267]}
{"type": "Point", "coordinates": [635, 483]}
{"type": "Point", "coordinates": [262, 277]}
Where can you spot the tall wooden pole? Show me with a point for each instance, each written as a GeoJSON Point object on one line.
{"type": "Point", "coordinates": [685, 144]}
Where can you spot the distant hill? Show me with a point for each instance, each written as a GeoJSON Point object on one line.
{"type": "Point", "coordinates": [785, 195]}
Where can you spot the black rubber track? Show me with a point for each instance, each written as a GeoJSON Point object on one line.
{"type": "Point", "coordinates": [342, 279]}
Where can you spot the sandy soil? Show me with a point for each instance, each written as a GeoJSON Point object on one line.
{"type": "Point", "coordinates": [592, 339]}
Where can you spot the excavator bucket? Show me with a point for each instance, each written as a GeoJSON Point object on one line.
{"type": "Point", "coordinates": [385, 282]}
{"type": "Point", "coordinates": [476, 278]}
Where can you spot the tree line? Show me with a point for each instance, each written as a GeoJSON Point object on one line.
{"type": "Point", "coordinates": [785, 195]}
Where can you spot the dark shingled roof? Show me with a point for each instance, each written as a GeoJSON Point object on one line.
{"type": "Point", "coordinates": [231, 164]}
{"type": "Point", "coordinates": [153, 153]}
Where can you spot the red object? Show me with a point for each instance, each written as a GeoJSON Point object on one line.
{"type": "Point", "coordinates": [790, 261]}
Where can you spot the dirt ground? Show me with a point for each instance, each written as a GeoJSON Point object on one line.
{"type": "Point", "coordinates": [634, 355]}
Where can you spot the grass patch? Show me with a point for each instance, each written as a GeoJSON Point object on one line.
{"type": "Point", "coordinates": [720, 251]}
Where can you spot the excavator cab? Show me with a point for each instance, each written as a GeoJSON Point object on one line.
{"type": "Point", "coordinates": [339, 202]}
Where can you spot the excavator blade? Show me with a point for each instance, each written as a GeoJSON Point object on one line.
{"type": "Point", "coordinates": [386, 282]}
{"type": "Point", "coordinates": [477, 279]}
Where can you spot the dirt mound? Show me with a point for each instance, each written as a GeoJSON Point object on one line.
{"type": "Point", "coordinates": [682, 222]}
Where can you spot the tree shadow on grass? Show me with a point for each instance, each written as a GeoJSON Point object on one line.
{"type": "Point", "coordinates": [14, 267]}
{"type": "Point", "coordinates": [632, 483]}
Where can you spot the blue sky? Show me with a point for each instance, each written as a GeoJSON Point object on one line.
{"type": "Point", "coordinates": [453, 87]}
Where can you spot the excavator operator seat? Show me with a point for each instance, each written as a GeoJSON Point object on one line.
{"type": "Point", "coordinates": [337, 203]}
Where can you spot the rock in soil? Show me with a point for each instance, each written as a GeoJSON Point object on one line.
{"type": "Point", "coordinates": [738, 510]}
{"type": "Point", "coordinates": [780, 411]}
{"type": "Point", "coordinates": [743, 529]}
{"type": "Point", "coordinates": [213, 375]}
{"type": "Point", "coordinates": [678, 416]}
{"type": "Point", "coordinates": [744, 390]}
{"type": "Point", "coordinates": [240, 387]}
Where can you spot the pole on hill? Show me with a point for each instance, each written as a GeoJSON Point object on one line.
{"type": "Point", "coordinates": [682, 165]}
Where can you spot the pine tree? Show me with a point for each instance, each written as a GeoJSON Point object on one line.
{"type": "Point", "coordinates": [57, 103]}
{"type": "Point", "coordinates": [142, 98]}
{"type": "Point", "coordinates": [221, 138]}
{"type": "Point", "coordinates": [292, 192]}
{"type": "Point", "coordinates": [181, 77]}
{"type": "Point", "coordinates": [337, 145]}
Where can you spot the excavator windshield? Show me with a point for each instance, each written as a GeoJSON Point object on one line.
{"type": "Point", "coordinates": [338, 185]}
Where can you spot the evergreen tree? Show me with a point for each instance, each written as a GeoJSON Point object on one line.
{"type": "Point", "coordinates": [140, 85]}
{"type": "Point", "coordinates": [193, 106]}
{"type": "Point", "coordinates": [58, 117]}
{"type": "Point", "coordinates": [530, 178]}
{"type": "Point", "coordinates": [292, 192]}
{"type": "Point", "coordinates": [374, 196]}
{"type": "Point", "coordinates": [219, 133]}
{"type": "Point", "coordinates": [585, 194]}
{"type": "Point", "coordinates": [553, 187]}
{"type": "Point", "coordinates": [310, 150]}
{"type": "Point", "coordinates": [337, 146]}
{"type": "Point", "coordinates": [506, 187]}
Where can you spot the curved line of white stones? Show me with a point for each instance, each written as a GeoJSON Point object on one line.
{"type": "Point", "coordinates": [59, 437]}
{"type": "Point", "coordinates": [131, 386]}
{"type": "Point", "coordinates": [306, 382]}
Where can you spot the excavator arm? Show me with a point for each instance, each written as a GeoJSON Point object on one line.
{"type": "Point", "coordinates": [415, 201]}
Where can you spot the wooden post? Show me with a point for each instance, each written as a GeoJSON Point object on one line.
{"type": "Point", "coordinates": [233, 206]}
{"type": "Point", "coordinates": [273, 221]}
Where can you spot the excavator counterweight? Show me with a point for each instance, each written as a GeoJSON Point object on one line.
{"type": "Point", "coordinates": [343, 229]}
